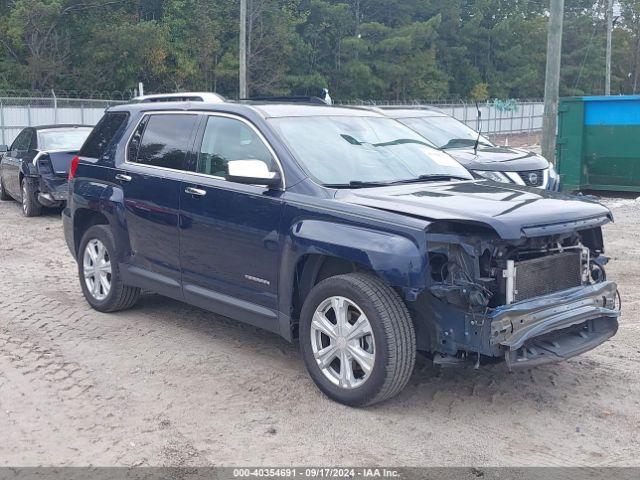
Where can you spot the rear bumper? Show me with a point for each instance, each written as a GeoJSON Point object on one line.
{"type": "Point", "coordinates": [557, 326]}
{"type": "Point", "coordinates": [53, 190]}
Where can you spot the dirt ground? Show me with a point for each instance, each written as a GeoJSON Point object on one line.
{"type": "Point", "coordinates": [168, 384]}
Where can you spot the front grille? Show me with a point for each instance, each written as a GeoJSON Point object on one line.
{"type": "Point", "coordinates": [544, 275]}
{"type": "Point", "coordinates": [532, 178]}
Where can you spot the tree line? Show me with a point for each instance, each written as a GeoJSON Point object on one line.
{"type": "Point", "coordinates": [395, 50]}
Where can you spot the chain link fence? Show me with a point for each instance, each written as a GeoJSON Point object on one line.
{"type": "Point", "coordinates": [500, 118]}
{"type": "Point", "coordinates": [116, 95]}
{"type": "Point", "coordinates": [17, 113]}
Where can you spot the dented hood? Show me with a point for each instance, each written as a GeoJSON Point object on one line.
{"type": "Point", "coordinates": [512, 211]}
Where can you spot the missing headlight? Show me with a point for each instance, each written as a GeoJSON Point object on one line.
{"type": "Point", "coordinates": [438, 263]}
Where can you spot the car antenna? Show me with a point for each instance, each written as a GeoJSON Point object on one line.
{"type": "Point", "coordinates": [475, 147]}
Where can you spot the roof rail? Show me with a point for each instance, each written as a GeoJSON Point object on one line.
{"type": "Point", "coordinates": [208, 97]}
{"type": "Point", "coordinates": [289, 99]}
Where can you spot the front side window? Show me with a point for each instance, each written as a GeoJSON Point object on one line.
{"type": "Point", "coordinates": [59, 139]}
{"type": "Point", "coordinates": [226, 139]}
{"type": "Point", "coordinates": [350, 150]}
{"type": "Point", "coordinates": [164, 142]}
{"type": "Point", "coordinates": [445, 132]}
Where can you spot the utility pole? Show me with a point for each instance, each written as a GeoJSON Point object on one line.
{"type": "Point", "coordinates": [243, 49]}
{"type": "Point", "coordinates": [552, 80]}
{"type": "Point", "coordinates": [607, 81]}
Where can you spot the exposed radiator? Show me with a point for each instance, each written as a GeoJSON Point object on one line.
{"type": "Point", "coordinates": [548, 274]}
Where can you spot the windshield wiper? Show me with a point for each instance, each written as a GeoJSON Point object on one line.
{"type": "Point", "coordinates": [358, 184]}
{"type": "Point", "coordinates": [432, 177]}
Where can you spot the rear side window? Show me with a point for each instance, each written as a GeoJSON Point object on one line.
{"type": "Point", "coordinates": [22, 141]}
{"type": "Point", "coordinates": [164, 141]}
{"type": "Point", "coordinates": [102, 135]}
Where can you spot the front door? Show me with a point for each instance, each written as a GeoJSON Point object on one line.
{"type": "Point", "coordinates": [12, 163]}
{"type": "Point", "coordinates": [151, 180]}
{"type": "Point", "coordinates": [230, 242]}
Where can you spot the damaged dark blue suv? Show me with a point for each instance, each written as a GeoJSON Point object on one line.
{"type": "Point", "coordinates": [339, 228]}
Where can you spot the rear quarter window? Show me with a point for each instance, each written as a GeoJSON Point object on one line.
{"type": "Point", "coordinates": [163, 140]}
{"type": "Point", "coordinates": [103, 134]}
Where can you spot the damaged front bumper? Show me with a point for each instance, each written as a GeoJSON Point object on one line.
{"type": "Point", "coordinates": [556, 326]}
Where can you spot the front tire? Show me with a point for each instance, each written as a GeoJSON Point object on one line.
{"type": "Point", "coordinates": [100, 278]}
{"type": "Point", "coordinates": [357, 339]}
{"type": "Point", "coordinates": [30, 205]}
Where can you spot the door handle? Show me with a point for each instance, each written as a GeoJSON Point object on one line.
{"type": "Point", "coordinates": [198, 192]}
{"type": "Point", "coordinates": [122, 177]}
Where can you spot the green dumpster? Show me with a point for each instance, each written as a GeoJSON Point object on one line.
{"type": "Point", "coordinates": [598, 144]}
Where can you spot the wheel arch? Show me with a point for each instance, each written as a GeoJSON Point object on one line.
{"type": "Point", "coordinates": [99, 204]}
{"type": "Point", "coordinates": [83, 220]}
{"type": "Point", "coordinates": [27, 169]}
{"type": "Point", "coordinates": [311, 269]}
{"type": "Point", "coordinates": [320, 249]}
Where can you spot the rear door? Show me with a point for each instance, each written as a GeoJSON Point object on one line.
{"type": "Point", "coordinates": [151, 180]}
{"type": "Point", "coordinates": [230, 241]}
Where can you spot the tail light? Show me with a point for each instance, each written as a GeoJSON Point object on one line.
{"type": "Point", "coordinates": [44, 165]}
{"type": "Point", "coordinates": [74, 166]}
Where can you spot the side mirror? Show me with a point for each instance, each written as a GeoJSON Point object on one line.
{"type": "Point", "coordinates": [4, 148]}
{"type": "Point", "coordinates": [252, 172]}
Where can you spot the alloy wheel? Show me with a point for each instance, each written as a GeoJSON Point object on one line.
{"type": "Point", "coordinates": [97, 269]}
{"type": "Point", "coordinates": [342, 342]}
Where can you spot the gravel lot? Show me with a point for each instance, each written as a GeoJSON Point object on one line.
{"type": "Point", "coordinates": [168, 384]}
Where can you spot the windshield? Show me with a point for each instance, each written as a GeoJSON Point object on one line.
{"type": "Point", "coordinates": [445, 132]}
{"type": "Point", "coordinates": [60, 139]}
{"type": "Point", "coordinates": [343, 150]}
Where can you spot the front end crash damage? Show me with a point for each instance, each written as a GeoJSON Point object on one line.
{"type": "Point", "coordinates": [528, 302]}
{"type": "Point", "coordinates": [557, 326]}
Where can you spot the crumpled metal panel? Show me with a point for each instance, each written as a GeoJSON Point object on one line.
{"type": "Point", "coordinates": [512, 325]}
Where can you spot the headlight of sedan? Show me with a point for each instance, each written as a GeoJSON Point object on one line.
{"type": "Point", "coordinates": [495, 176]}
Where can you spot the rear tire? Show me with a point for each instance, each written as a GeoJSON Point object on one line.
{"type": "Point", "coordinates": [379, 355]}
{"type": "Point", "coordinates": [100, 278]}
{"type": "Point", "coordinates": [4, 196]}
{"type": "Point", "coordinates": [30, 205]}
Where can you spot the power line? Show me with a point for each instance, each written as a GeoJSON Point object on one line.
{"type": "Point", "coordinates": [586, 55]}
